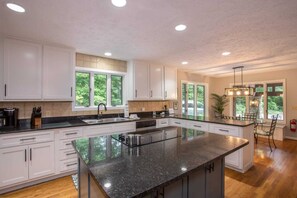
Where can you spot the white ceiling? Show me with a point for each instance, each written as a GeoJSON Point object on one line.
{"type": "Point", "coordinates": [261, 35]}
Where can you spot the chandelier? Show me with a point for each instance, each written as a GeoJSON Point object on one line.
{"type": "Point", "coordinates": [239, 90]}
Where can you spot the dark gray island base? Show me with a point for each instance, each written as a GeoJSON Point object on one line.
{"type": "Point", "coordinates": [179, 163]}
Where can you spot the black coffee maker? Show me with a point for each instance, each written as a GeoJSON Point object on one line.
{"type": "Point", "coordinates": [9, 117]}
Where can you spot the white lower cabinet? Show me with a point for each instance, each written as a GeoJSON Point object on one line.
{"type": "Point", "coordinates": [164, 122]}
{"type": "Point", "coordinates": [66, 157]}
{"type": "Point", "coordinates": [23, 163]}
{"type": "Point", "coordinates": [41, 159]}
{"type": "Point", "coordinates": [13, 165]}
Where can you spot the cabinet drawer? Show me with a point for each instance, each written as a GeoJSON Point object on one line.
{"type": "Point", "coordinates": [162, 123]}
{"type": "Point", "coordinates": [97, 130]}
{"type": "Point", "coordinates": [68, 165]}
{"type": "Point", "coordinates": [66, 144]}
{"type": "Point", "coordinates": [224, 130]}
{"type": "Point", "coordinates": [26, 138]}
{"type": "Point", "coordinates": [124, 127]}
{"type": "Point", "coordinates": [70, 133]}
{"type": "Point", "coordinates": [197, 125]}
{"type": "Point", "coordinates": [67, 154]}
{"type": "Point", "coordinates": [177, 122]}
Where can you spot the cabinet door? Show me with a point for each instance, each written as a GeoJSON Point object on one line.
{"type": "Point", "coordinates": [170, 75]}
{"type": "Point", "coordinates": [156, 82]}
{"type": "Point", "coordinates": [13, 165]}
{"type": "Point", "coordinates": [214, 179]}
{"type": "Point", "coordinates": [22, 70]}
{"type": "Point", "coordinates": [141, 80]}
{"type": "Point", "coordinates": [41, 160]}
{"type": "Point", "coordinates": [58, 71]}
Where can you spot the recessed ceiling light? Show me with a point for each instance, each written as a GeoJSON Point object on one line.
{"type": "Point", "coordinates": [180, 27]}
{"type": "Point", "coordinates": [226, 53]}
{"type": "Point", "coordinates": [184, 63]}
{"type": "Point", "coordinates": [107, 54]}
{"type": "Point", "coordinates": [119, 3]}
{"type": "Point", "coordinates": [15, 7]}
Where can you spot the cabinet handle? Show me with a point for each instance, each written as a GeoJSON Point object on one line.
{"type": "Point", "coordinates": [177, 122]}
{"type": "Point", "coordinates": [71, 164]}
{"type": "Point", "coordinates": [70, 153]}
{"type": "Point", "coordinates": [165, 94]}
{"type": "Point", "coordinates": [71, 92]}
{"type": "Point", "coordinates": [151, 93]}
{"type": "Point", "coordinates": [25, 155]}
{"type": "Point", "coordinates": [71, 133]}
{"type": "Point", "coordinates": [224, 130]}
{"type": "Point", "coordinates": [210, 167]}
{"type": "Point", "coordinates": [26, 139]}
{"type": "Point", "coordinates": [5, 87]}
{"type": "Point", "coordinates": [163, 122]}
{"type": "Point", "coordinates": [197, 126]}
{"type": "Point", "coordinates": [68, 144]}
{"type": "Point", "coordinates": [30, 154]}
{"type": "Point", "coordinates": [135, 93]}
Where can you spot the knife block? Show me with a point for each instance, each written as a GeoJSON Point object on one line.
{"type": "Point", "coordinates": [36, 122]}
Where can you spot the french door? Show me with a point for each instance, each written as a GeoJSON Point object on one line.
{"type": "Point", "coordinates": [193, 98]}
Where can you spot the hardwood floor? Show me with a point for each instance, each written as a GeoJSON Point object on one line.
{"type": "Point", "coordinates": [58, 188]}
{"type": "Point", "coordinates": [274, 174]}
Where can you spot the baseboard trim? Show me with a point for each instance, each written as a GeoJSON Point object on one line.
{"type": "Point", "coordinates": [291, 138]}
{"type": "Point", "coordinates": [31, 183]}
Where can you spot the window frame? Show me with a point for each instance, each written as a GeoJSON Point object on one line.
{"type": "Point", "coordinates": [108, 73]}
{"type": "Point", "coordinates": [265, 95]}
{"type": "Point", "coordinates": [206, 96]}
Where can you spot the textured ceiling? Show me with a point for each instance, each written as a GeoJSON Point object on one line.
{"type": "Point", "coordinates": [261, 35]}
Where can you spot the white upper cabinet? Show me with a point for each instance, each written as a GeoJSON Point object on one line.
{"type": "Point", "coordinates": [146, 80]}
{"type": "Point", "coordinates": [156, 82]}
{"type": "Point", "coordinates": [58, 71]}
{"type": "Point", "coordinates": [140, 79]}
{"type": "Point", "coordinates": [170, 83]}
{"type": "Point", "coordinates": [22, 70]}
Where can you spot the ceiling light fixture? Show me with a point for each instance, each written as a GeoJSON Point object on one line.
{"type": "Point", "coordinates": [239, 90]}
{"type": "Point", "coordinates": [226, 53]}
{"type": "Point", "coordinates": [107, 54]}
{"type": "Point", "coordinates": [180, 27]}
{"type": "Point", "coordinates": [184, 63]}
{"type": "Point", "coordinates": [119, 3]}
{"type": "Point", "coordinates": [15, 7]}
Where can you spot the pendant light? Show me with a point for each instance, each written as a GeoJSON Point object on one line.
{"type": "Point", "coordinates": [239, 90]}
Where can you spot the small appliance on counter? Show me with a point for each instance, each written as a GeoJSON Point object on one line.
{"type": "Point", "coordinates": [9, 117]}
{"type": "Point", "coordinates": [36, 117]}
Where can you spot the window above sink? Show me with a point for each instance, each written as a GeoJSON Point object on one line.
{"type": "Point", "coordinates": [93, 86]}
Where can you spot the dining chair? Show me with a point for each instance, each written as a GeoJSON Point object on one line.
{"type": "Point", "coordinates": [268, 133]}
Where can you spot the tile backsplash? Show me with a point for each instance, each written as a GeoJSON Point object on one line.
{"type": "Point", "coordinates": [59, 109]}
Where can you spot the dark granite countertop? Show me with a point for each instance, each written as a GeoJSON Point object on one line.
{"type": "Point", "coordinates": [240, 123]}
{"type": "Point", "coordinates": [65, 122]}
{"type": "Point", "coordinates": [134, 172]}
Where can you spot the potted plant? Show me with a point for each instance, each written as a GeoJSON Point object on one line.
{"type": "Point", "coordinates": [219, 104]}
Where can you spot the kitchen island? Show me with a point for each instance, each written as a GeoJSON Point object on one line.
{"type": "Point", "coordinates": [172, 162]}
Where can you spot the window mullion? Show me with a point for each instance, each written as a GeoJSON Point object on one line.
{"type": "Point", "coordinates": [195, 100]}
{"type": "Point", "coordinates": [108, 90]}
{"type": "Point", "coordinates": [92, 89]}
{"type": "Point", "coordinates": [265, 101]}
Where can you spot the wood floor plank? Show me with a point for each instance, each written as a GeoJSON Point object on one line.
{"type": "Point", "coordinates": [273, 175]}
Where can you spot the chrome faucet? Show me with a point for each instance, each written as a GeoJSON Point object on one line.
{"type": "Point", "coordinates": [100, 115]}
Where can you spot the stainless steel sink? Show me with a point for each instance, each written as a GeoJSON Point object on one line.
{"type": "Point", "coordinates": [105, 120]}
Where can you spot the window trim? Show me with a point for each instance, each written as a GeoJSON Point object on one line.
{"type": "Point", "coordinates": [206, 91]}
{"type": "Point", "coordinates": [284, 121]}
{"type": "Point", "coordinates": [93, 71]}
